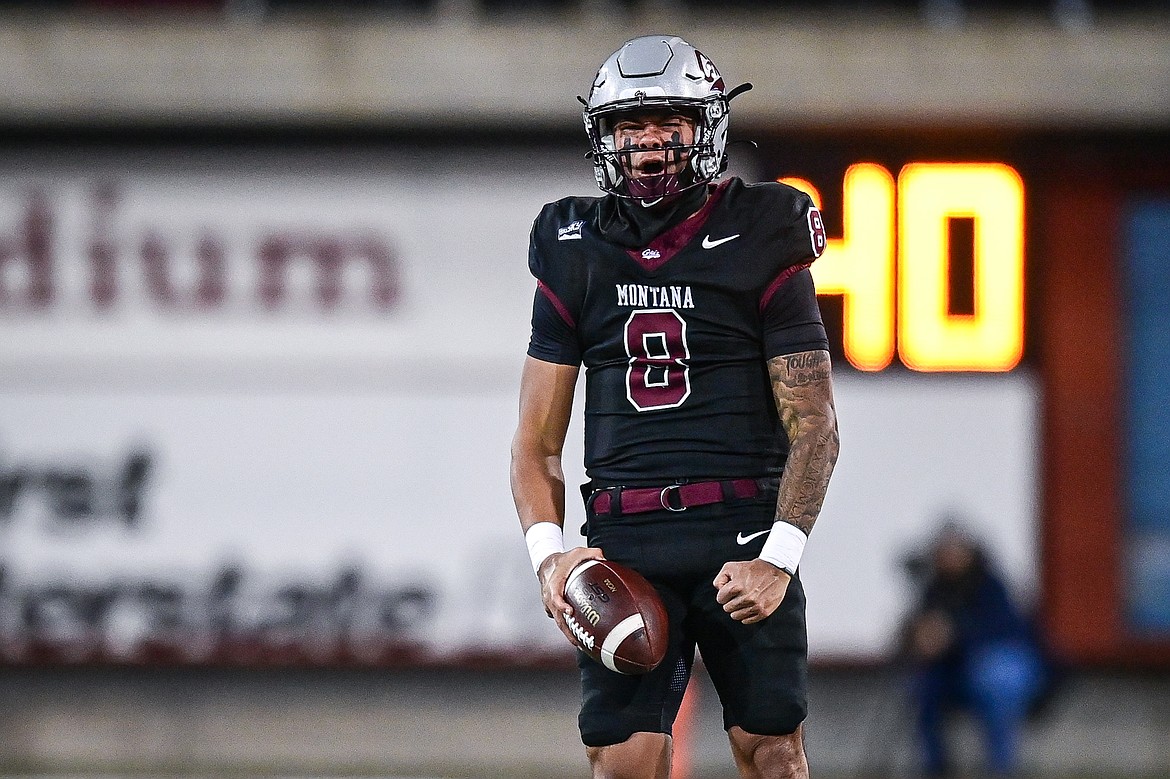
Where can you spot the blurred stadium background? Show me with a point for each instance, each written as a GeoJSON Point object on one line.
{"type": "Point", "coordinates": [264, 300]}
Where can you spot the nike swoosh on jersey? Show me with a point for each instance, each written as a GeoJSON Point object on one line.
{"type": "Point", "coordinates": [709, 244]}
{"type": "Point", "coordinates": [741, 539]}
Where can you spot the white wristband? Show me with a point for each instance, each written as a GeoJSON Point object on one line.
{"type": "Point", "coordinates": [784, 546]}
{"type": "Point", "coordinates": [544, 539]}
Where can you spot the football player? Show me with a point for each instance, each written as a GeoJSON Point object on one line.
{"type": "Point", "coordinates": [710, 432]}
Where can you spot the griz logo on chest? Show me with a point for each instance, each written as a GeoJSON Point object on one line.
{"type": "Point", "coordinates": [643, 295]}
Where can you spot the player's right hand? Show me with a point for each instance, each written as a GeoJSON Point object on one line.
{"type": "Point", "coordinates": [553, 574]}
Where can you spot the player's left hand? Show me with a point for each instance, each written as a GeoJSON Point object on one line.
{"type": "Point", "coordinates": [750, 591]}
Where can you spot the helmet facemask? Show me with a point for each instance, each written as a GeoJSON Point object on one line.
{"type": "Point", "coordinates": [681, 166]}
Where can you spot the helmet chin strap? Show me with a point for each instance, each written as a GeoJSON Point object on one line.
{"type": "Point", "coordinates": [652, 190]}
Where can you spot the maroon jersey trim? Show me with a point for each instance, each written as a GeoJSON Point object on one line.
{"type": "Point", "coordinates": [557, 304]}
{"type": "Point", "coordinates": [778, 282]}
{"type": "Point", "coordinates": [671, 242]}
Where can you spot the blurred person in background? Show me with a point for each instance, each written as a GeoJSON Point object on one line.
{"type": "Point", "coordinates": [710, 432]}
{"type": "Point", "coordinates": [971, 649]}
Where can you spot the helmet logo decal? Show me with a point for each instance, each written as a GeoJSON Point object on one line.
{"type": "Point", "coordinates": [651, 254]}
{"type": "Point", "coordinates": [710, 73]}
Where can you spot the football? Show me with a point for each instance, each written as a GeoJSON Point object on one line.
{"type": "Point", "coordinates": [618, 618]}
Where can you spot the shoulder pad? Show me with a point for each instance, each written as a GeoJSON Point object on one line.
{"type": "Point", "coordinates": [564, 220]}
{"type": "Point", "coordinates": [554, 255]}
{"type": "Point", "coordinates": [798, 226]}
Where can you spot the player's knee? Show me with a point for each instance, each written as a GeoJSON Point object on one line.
{"type": "Point", "coordinates": [764, 755]}
{"type": "Point", "coordinates": [641, 756]}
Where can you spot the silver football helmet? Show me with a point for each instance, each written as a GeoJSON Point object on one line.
{"type": "Point", "coordinates": [658, 72]}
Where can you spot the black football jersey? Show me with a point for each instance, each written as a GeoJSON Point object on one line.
{"type": "Point", "coordinates": [675, 336]}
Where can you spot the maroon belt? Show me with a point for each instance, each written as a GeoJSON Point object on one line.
{"type": "Point", "coordinates": [617, 501]}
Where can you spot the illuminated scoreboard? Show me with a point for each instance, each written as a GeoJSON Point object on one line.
{"type": "Point", "coordinates": [986, 252]}
{"type": "Point", "coordinates": [894, 266]}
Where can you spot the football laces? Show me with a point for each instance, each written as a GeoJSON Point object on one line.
{"type": "Point", "coordinates": [583, 636]}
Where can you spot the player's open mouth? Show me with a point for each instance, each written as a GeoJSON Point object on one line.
{"type": "Point", "coordinates": [650, 168]}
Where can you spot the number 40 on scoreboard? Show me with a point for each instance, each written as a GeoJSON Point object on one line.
{"type": "Point", "coordinates": [866, 265]}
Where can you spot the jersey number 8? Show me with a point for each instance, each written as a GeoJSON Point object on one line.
{"type": "Point", "coordinates": [656, 343]}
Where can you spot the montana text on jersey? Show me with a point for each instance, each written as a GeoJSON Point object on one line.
{"type": "Point", "coordinates": [678, 330]}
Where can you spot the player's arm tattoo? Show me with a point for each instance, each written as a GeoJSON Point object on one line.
{"type": "Point", "coordinates": [803, 389]}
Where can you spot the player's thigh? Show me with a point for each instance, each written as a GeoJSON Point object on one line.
{"type": "Point", "coordinates": [615, 706]}
{"type": "Point", "coordinates": [760, 670]}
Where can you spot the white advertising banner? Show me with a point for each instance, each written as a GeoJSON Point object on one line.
{"type": "Point", "coordinates": [258, 409]}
